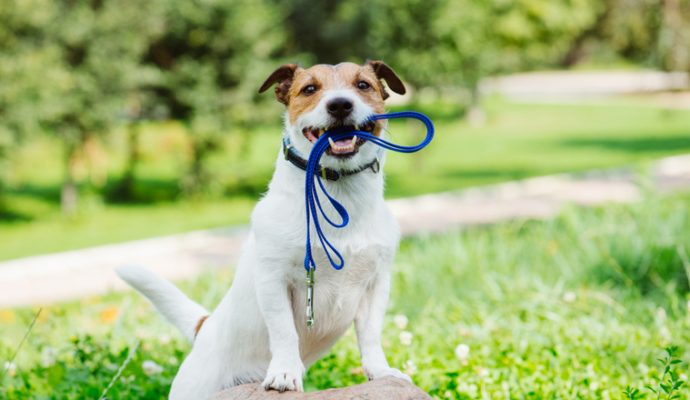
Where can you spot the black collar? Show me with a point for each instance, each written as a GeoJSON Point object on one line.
{"type": "Point", "coordinates": [295, 159]}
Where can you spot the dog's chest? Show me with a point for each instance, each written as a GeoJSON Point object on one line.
{"type": "Point", "coordinates": [337, 295]}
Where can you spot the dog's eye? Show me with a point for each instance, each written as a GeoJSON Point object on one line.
{"type": "Point", "coordinates": [309, 89]}
{"type": "Point", "coordinates": [363, 85]}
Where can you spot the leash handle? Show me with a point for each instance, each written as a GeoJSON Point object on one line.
{"type": "Point", "coordinates": [314, 209]}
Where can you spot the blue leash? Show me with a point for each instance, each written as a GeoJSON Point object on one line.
{"type": "Point", "coordinates": [313, 204]}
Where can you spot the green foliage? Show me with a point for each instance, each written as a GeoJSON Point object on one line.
{"type": "Point", "coordinates": [452, 43]}
{"type": "Point", "coordinates": [507, 311]}
{"type": "Point", "coordinates": [83, 367]}
{"type": "Point", "coordinates": [649, 258]}
{"type": "Point", "coordinates": [667, 385]}
{"type": "Point", "coordinates": [72, 66]}
{"type": "Point", "coordinates": [77, 70]}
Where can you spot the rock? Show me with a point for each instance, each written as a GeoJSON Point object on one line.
{"type": "Point", "coordinates": [379, 389]}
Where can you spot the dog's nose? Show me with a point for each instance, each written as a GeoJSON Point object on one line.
{"type": "Point", "coordinates": [339, 107]}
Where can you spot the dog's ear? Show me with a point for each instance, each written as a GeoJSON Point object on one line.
{"type": "Point", "coordinates": [386, 73]}
{"type": "Point", "coordinates": [283, 77]}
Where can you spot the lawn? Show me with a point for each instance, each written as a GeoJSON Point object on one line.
{"type": "Point", "coordinates": [580, 306]}
{"type": "Point", "coordinates": [517, 141]}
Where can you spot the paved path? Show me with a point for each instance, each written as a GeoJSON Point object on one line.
{"type": "Point", "coordinates": [569, 85]}
{"type": "Point", "coordinates": [74, 274]}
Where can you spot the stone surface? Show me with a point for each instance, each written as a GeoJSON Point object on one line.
{"type": "Point", "coordinates": [379, 389]}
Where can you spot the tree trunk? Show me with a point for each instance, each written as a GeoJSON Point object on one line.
{"type": "Point", "coordinates": [475, 113]}
{"type": "Point", "coordinates": [576, 51]}
{"type": "Point", "coordinates": [197, 178]}
{"type": "Point", "coordinates": [69, 196]}
{"type": "Point", "coordinates": [125, 189]}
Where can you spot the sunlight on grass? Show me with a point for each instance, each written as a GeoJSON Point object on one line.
{"type": "Point", "coordinates": [568, 308]}
{"type": "Point", "coordinates": [517, 141]}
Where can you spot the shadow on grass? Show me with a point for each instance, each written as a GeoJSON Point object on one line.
{"type": "Point", "coordinates": [8, 215]}
{"type": "Point", "coordinates": [47, 193]}
{"type": "Point", "coordinates": [648, 144]}
{"type": "Point", "coordinates": [489, 174]}
{"type": "Point", "coordinates": [152, 191]}
{"type": "Point", "coordinates": [141, 191]}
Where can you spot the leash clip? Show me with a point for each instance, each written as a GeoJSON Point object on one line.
{"type": "Point", "coordinates": [310, 297]}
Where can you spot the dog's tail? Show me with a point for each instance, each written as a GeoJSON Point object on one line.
{"type": "Point", "coordinates": [174, 305]}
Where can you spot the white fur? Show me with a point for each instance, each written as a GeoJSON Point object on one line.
{"type": "Point", "coordinates": [258, 331]}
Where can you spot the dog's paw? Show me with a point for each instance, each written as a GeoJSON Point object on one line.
{"type": "Point", "coordinates": [283, 379]}
{"type": "Point", "coordinates": [376, 373]}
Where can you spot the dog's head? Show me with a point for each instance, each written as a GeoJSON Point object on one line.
{"type": "Point", "coordinates": [331, 96]}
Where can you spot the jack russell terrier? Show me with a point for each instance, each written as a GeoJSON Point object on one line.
{"type": "Point", "coordinates": [259, 332]}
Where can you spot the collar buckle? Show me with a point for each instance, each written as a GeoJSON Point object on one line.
{"type": "Point", "coordinates": [375, 166]}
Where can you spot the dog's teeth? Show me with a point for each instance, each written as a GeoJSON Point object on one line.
{"type": "Point", "coordinates": [354, 140]}
{"type": "Point", "coordinates": [331, 142]}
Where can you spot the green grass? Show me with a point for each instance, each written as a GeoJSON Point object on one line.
{"type": "Point", "coordinates": [576, 307]}
{"type": "Point", "coordinates": [518, 141]}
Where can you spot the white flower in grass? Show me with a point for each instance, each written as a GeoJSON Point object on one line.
{"type": "Point", "coordinates": [467, 389]}
{"type": "Point", "coordinates": [462, 352]}
{"type": "Point", "coordinates": [661, 315]}
{"type": "Point", "coordinates": [10, 368]}
{"type": "Point", "coordinates": [400, 321]}
{"type": "Point", "coordinates": [151, 367]}
{"type": "Point", "coordinates": [48, 356]}
{"type": "Point", "coordinates": [569, 297]}
{"type": "Point", "coordinates": [405, 338]}
{"type": "Point", "coordinates": [410, 367]}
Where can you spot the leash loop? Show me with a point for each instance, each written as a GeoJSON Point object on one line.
{"type": "Point", "coordinates": [313, 205]}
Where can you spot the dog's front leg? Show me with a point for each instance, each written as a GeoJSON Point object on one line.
{"type": "Point", "coordinates": [286, 368]}
{"type": "Point", "coordinates": [369, 324]}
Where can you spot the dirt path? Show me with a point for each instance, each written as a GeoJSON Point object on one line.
{"type": "Point", "coordinates": [74, 274]}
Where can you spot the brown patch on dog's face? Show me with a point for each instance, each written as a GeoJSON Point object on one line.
{"type": "Point", "coordinates": [309, 85]}
{"type": "Point", "coordinates": [301, 89]}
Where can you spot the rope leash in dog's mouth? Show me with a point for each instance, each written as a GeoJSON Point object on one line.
{"type": "Point", "coordinates": [313, 204]}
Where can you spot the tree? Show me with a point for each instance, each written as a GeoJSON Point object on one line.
{"type": "Point", "coordinates": [211, 54]}
{"type": "Point", "coordinates": [75, 63]}
{"type": "Point", "coordinates": [456, 43]}
{"type": "Point", "coordinates": [326, 31]}
{"type": "Point", "coordinates": [21, 64]}
{"type": "Point", "coordinates": [652, 32]}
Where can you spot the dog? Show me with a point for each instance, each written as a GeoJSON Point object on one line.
{"type": "Point", "coordinates": [259, 332]}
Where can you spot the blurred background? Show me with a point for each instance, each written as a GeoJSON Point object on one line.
{"type": "Point", "coordinates": [117, 118]}
{"type": "Point", "coordinates": [559, 260]}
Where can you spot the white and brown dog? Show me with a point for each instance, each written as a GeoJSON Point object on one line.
{"type": "Point", "coordinates": [258, 332]}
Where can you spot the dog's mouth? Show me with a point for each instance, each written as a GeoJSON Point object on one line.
{"type": "Point", "coordinates": [340, 148]}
